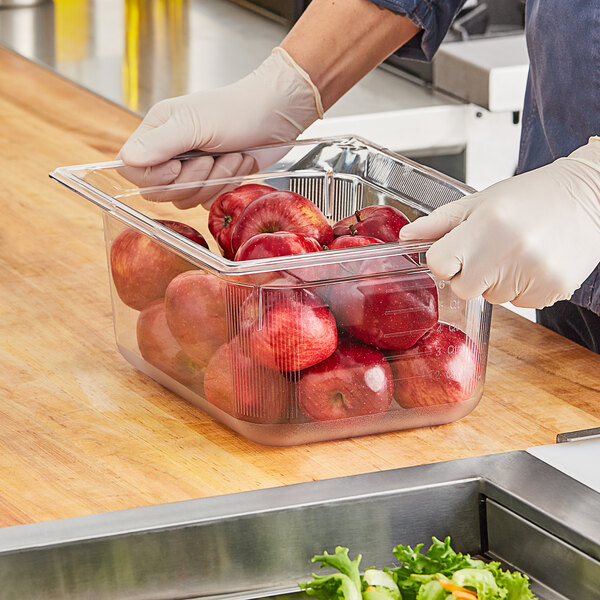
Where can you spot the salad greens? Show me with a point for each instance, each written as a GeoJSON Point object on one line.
{"type": "Point", "coordinates": [438, 574]}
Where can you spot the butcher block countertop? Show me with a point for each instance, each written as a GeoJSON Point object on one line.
{"type": "Point", "coordinates": [81, 431]}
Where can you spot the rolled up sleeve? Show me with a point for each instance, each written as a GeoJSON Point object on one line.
{"type": "Point", "coordinates": [434, 17]}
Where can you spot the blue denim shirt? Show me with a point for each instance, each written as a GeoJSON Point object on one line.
{"type": "Point", "coordinates": [562, 100]}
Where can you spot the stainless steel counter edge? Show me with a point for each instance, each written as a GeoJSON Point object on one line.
{"type": "Point", "coordinates": [556, 502]}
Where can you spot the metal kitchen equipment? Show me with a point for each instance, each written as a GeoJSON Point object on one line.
{"type": "Point", "coordinates": [476, 18]}
{"type": "Point", "coordinates": [340, 175]}
{"type": "Point", "coordinates": [509, 507]}
{"type": "Point", "coordinates": [499, 20]}
{"type": "Point", "coordinates": [22, 3]}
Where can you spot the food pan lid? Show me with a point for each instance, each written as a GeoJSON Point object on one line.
{"type": "Point", "coordinates": [349, 157]}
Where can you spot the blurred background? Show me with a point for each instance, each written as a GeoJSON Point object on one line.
{"type": "Point", "coordinates": [136, 52]}
{"type": "Point", "coordinates": [443, 114]}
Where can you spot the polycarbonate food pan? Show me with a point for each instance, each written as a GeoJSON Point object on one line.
{"type": "Point", "coordinates": [289, 349]}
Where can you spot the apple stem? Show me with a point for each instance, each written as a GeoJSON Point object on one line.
{"type": "Point", "coordinates": [352, 229]}
{"type": "Point", "coordinates": [227, 220]}
{"type": "Point", "coordinates": [357, 215]}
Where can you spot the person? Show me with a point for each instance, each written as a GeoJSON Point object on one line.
{"type": "Point", "coordinates": [532, 239]}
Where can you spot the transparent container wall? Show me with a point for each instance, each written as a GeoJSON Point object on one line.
{"type": "Point", "coordinates": [305, 348]}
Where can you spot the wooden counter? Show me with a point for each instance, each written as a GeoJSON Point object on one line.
{"type": "Point", "coordinates": [82, 432]}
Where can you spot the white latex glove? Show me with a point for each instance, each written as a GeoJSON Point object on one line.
{"type": "Point", "coordinates": [532, 239]}
{"type": "Point", "coordinates": [275, 103]}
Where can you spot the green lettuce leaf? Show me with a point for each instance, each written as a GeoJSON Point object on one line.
{"type": "Point", "coordinates": [480, 580]}
{"type": "Point", "coordinates": [432, 590]}
{"type": "Point", "coordinates": [516, 584]}
{"type": "Point", "coordinates": [345, 585]}
{"type": "Point", "coordinates": [379, 585]}
{"type": "Point", "coordinates": [380, 593]}
{"type": "Point", "coordinates": [440, 558]}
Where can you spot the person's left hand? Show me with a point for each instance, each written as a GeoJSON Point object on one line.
{"type": "Point", "coordinates": [531, 240]}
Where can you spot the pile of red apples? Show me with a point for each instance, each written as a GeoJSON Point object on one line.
{"type": "Point", "coordinates": [274, 347]}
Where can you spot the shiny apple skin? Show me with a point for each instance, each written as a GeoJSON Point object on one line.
{"type": "Point", "coordinates": [356, 380]}
{"type": "Point", "coordinates": [185, 230]}
{"type": "Point", "coordinates": [159, 348]}
{"type": "Point", "coordinates": [289, 330]}
{"type": "Point", "coordinates": [141, 268]}
{"type": "Point", "coordinates": [198, 311]}
{"type": "Point", "coordinates": [238, 385]}
{"type": "Point", "coordinates": [352, 241]}
{"type": "Point", "coordinates": [279, 243]}
{"type": "Point", "coordinates": [443, 367]}
{"type": "Point", "coordinates": [333, 270]}
{"type": "Point", "coordinates": [281, 211]}
{"type": "Point", "coordinates": [386, 311]}
{"type": "Point", "coordinates": [225, 210]}
{"type": "Point", "coordinates": [378, 221]}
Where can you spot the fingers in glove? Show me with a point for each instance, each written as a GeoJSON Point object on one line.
{"type": "Point", "coordinates": [129, 151]}
{"type": "Point", "coordinates": [440, 221]}
{"type": "Point", "coordinates": [499, 294]}
{"type": "Point", "coordinates": [502, 285]}
{"type": "Point", "coordinates": [185, 186]}
{"type": "Point", "coordinates": [471, 269]}
{"type": "Point", "coordinates": [223, 167]}
{"type": "Point", "coordinates": [540, 298]}
{"type": "Point", "coordinates": [155, 146]}
{"type": "Point", "coordinates": [445, 258]}
{"type": "Point", "coordinates": [162, 174]}
{"type": "Point", "coordinates": [165, 132]}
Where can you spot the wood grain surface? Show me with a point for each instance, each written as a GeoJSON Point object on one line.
{"type": "Point", "coordinates": [81, 431]}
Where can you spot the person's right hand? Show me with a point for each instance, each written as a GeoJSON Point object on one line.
{"type": "Point", "coordinates": [275, 103]}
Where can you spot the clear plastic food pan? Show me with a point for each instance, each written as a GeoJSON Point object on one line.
{"type": "Point", "coordinates": [329, 343]}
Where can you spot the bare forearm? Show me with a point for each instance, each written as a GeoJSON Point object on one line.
{"type": "Point", "coordinates": [337, 42]}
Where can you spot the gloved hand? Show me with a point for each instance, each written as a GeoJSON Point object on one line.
{"type": "Point", "coordinates": [275, 103]}
{"type": "Point", "coordinates": [532, 239]}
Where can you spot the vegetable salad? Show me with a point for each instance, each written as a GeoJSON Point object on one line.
{"type": "Point", "coordinates": [439, 574]}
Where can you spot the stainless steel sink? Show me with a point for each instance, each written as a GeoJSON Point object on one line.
{"type": "Point", "coordinates": [510, 507]}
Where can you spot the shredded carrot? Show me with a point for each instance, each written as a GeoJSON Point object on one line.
{"type": "Point", "coordinates": [452, 587]}
{"type": "Point", "coordinates": [458, 592]}
{"type": "Point", "coordinates": [370, 588]}
{"type": "Point", "coordinates": [463, 595]}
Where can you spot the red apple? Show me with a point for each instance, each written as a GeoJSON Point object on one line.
{"type": "Point", "coordinates": [288, 329]}
{"type": "Point", "coordinates": [159, 348]}
{"type": "Point", "coordinates": [332, 270]}
{"type": "Point", "coordinates": [355, 380]}
{"type": "Point", "coordinates": [281, 211]}
{"type": "Point", "coordinates": [238, 385]}
{"type": "Point", "coordinates": [351, 241]}
{"type": "Point", "coordinates": [141, 268]}
{"type": "Point", "coordinates": [280, 243]}
{"type": "Point", "coordinates": [200, 308]}
{"type": "Point", "coordinates": [226, 209]}
{"type": "Point", "coordinates": [442, 367]}
{"type": "Point", "coordinates": [266, 245]}
{"type": "Point", "coordinates": [386, 311]}
{"type": "Point", "coordinates": [379, 221]}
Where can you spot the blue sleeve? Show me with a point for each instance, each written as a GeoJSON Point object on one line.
{"type": "Point", "coordinates": [434, 17]}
